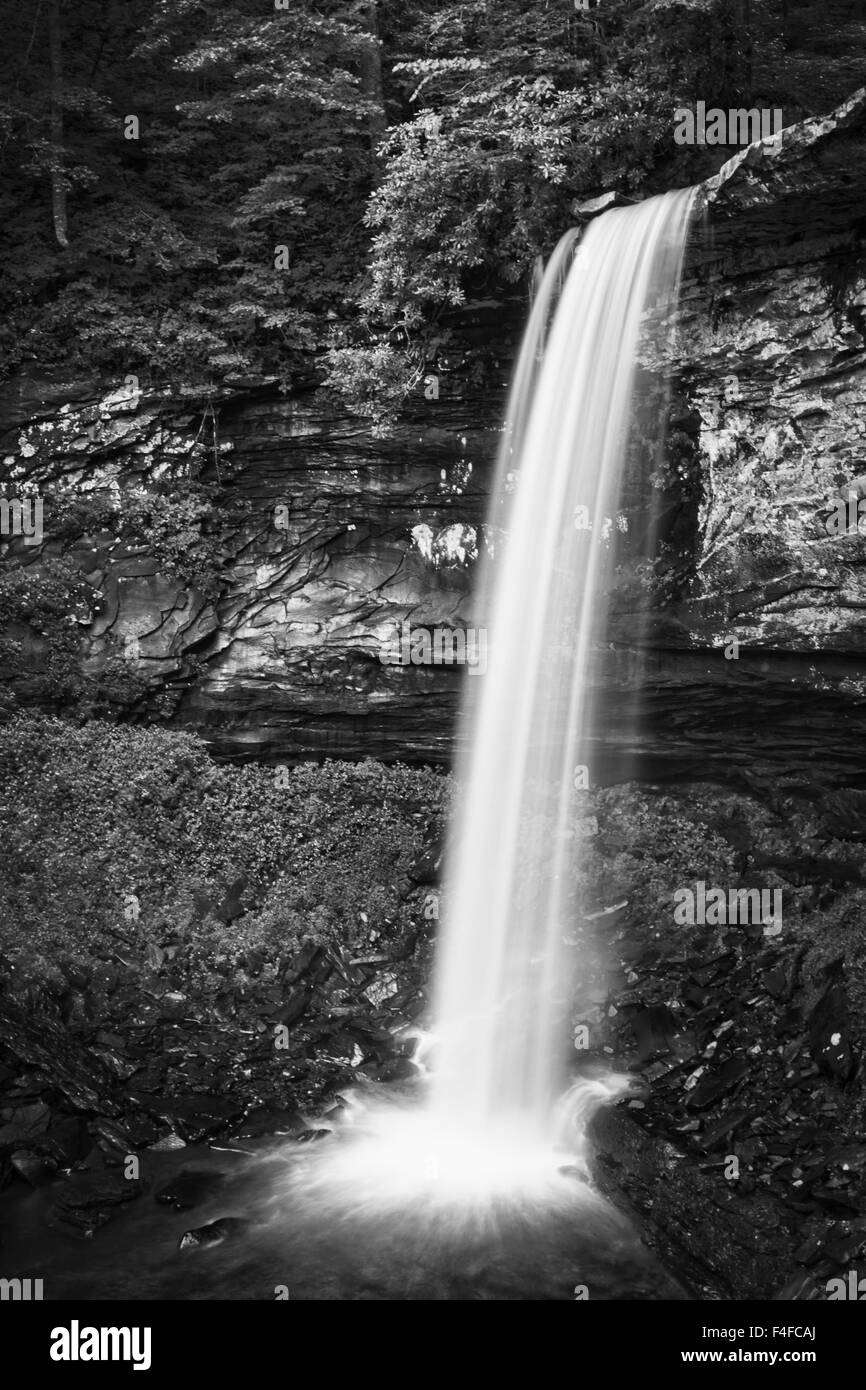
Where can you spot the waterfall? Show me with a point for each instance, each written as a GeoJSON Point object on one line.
{"type": "Point", "coordinates": [502, 977]}
{"type": "Point", "coordinates": [497, 1129]}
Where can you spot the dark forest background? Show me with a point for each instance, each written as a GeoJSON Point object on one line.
{"type": "Point", "coordinates": [317, 185]}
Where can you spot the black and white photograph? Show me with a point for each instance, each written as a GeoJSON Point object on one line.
{"type": "Point", "coordinates": [432, 672]}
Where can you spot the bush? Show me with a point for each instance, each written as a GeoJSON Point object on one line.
{"type": "Point", "coordinates": [96, 815]}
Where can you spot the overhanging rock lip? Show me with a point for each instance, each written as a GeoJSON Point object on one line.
{"type": "Point", "coordinates": [757, 170]}
{"type": "Point", "coordinates": [588, 208]}
{"type": "Point", "coordinates": [768, 155]}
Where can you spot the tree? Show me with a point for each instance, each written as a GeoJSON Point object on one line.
{"type": "Point", "coordinates": [512, 112]}
{"type": "Point", "coordinates": [58, 182]}
{"type": "Point", "coordinates": [371, 74]}
{"type": "Point", "coordinates": [255, 130]}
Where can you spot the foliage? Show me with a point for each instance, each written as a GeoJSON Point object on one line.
{"type": "Point", "coordinates": [47, 598]}
{"type": "Point", "coordinates": [252, 133]}
{"type": "Point", "coordinates": [180, 522]}
{"type": "Point", "coordinates": [180, 527]}
{"type": "Point", "coordinates": [651, 842]}
{"type": "Point", "coordinates": [516, 112]}
{"type": "Point", "coordinates": [259, 129]}
{"type": "Point", "coordinates": [92, 815]}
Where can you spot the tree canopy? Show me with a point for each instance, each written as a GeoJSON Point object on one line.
{"type": "Point", "coordinates": [199, 190]}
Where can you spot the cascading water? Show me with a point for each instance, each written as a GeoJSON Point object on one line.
{"type": "Point", "coordinates": [496, 1130]}
{"type": "Point", "coordinates": [501, 960]}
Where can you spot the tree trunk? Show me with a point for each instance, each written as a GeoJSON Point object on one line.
{"type": "Point", "coordinates": [748, 49]}
{"type": "Point", "coordinates": [58, 181]}
{"type": "Point", "coordinates": [371, 75]}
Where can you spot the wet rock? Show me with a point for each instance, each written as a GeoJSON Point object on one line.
{"type": "Point", "coordinates": [415, 1005]}
{"type": "Point", "coordinates": [336, 1042]}
{"type": "Point", "coordinates": [190, 1188]}
{"type": "Point", "coordinates": [722, 1244]}
{"type": "Point", "coordinates": [198, 1117]}
{"type": "Point", "coordinates": [813, 1247]}
{"type": "Point", "coordinates": [22, 1123]}
{"type": "Point", "coordinates": [173, 1004]}
{"type": "Point", "coordinates": [337, 1112]}
{"type": "Point", "coordinates": [226, 1228]}
{"type": "Point", "coordinates": [571, 1170]}
{"type": "Point", "coordinates": [98, 1189]}
{"type": "Point", "coordinates": [801, 1287]}
{"type": "Point", "coordinates": [46, 1047]}
{"type": "Point", "coordinates": [67, 1140]}
{"type": "Point", "coordinates": [138, 1130]}
{"type": "Point", "coordinates": [85, 1202]}
{"type": "Point", "coordinates": [92, 1162]}
{"type": "Point", "coordinates": [718, 1083]}
{"type": "Point", "coordinates": [295, 1006]}
{"type": "Point", "coordinates": [844, 814]}
{"type": "Point", "coordinates": [844, 1246]}
{"type": "Point", "coordinates": [194, 1117]}
{"type": "Point", "coordinates": [836, 1199]}
{"type": "Point", "coordinates": [153, 956]}
{"type": "Point", "coordinates": [312, 1136]}
{"type": "Point", "coordinates": [427, 868]}
{"type": "Point", "coordinates": [35, 1170]}
{"type": "Point", "coordinates": [370, 1034]}
{"type": "Point", "coordinates": [168, 1143]}
{"type": "Point", "coordinates": [305, 961]}
{"type": "Point", "coordinates": [592, 207]}
{"type": "Point", "coordinates": [775, 982]}
{"type": "Point", "coordinates": [394, 1069]}
{"type": "Point", "coordinates": [269, 1120]}
{"type": "Point", "coordinates": [719, 1131]}
{"type": "Point", "coordinates": [382, 989]}
{"type": "Point", "coordinates": [830, 1033]}
{"type": "Point", "coordinates": [83, 1224]}
{"type": "Point", "coordinates": [113, 1139]}
{"type": "Point", "coordinates": [655, 1029]}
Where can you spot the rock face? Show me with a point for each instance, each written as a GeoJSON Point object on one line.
{"type": "Point", "coordinates": [774, 368]}
{"type": "Point", "coordinates": [378, 533]}
{"type": "Point", "coordinates": [330, 541]}
{"type": "Point", "coordinates": [679, 1207]}
{"type": "Point", "coordinates": [329, 538]}
{"type": "Point", "coordinates": [767, 433]}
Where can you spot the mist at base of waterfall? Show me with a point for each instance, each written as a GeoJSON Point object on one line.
{"type": "Point", "coordinates": [421, 1211]}
{"type": "Point", "coordinates": [357, 1216]}
{"type": "Point", "coordinates": [395, 1157]}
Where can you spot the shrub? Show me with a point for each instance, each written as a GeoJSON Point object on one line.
{"type": "Point", "coordinates": [91, 816]}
